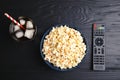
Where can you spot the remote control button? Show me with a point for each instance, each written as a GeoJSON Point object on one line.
{"type": "Point", "coordinates": [96, 63]}
{"type": "Point", "coordinates": [95, 56]}
{"type": "Point", "coordinates": [95, 49]}
{"type": "Point", "coordinates": [98, 52]}
{"type": "Point", "coordinates": [101, 61]}
{"type": "Point", "coordinates": [99, 41]}
{"type": "Point", "coordinates": [99, 33]}
{"type": "Point", "coordinates": [102, 51]}
{"type": "Point", "coordinates": [98, 48]}
{"type": "Point", "coordinates": [102, 25]}
{"type": "Point", "coordinates": [101, 58]}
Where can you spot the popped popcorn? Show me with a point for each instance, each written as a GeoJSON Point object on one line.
{"type": "Point", "coordinates": [64, 47]}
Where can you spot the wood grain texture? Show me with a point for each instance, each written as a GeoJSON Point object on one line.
{"type": "Point", "coordinates": [21, 61]}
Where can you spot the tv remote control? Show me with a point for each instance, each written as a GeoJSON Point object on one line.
{"type": "Point", "coordinates": [98, 47]}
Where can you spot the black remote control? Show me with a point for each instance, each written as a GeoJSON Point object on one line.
{"type": "Point", "coordinates": [98, 47]}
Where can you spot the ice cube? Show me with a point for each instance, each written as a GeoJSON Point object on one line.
{"type": "Point", "coordinates": [19, 34]}
{"type": "Point", "coordinates": [22, 22]}
{"type": "Point", "coordinates": [16, 28]}
{"type": "Point", "coordinates": [29, 33]}
{"type": "Point", "coordinates": [29, 24]}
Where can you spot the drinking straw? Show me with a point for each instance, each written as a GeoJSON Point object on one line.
{"type": "Point", "coordinates": [13, 20]}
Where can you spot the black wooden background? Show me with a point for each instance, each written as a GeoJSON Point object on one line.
{"type": "Point", "coordinates": [22, 60]}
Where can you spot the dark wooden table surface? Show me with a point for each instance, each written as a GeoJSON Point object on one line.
{"type": "Point", "coordinates": [22, 60]}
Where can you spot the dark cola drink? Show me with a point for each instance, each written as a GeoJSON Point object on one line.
{"type": "Point", "coordinates": [23, 34]}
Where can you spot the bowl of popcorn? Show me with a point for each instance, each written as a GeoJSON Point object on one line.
{"type": "Point", "coordinates": [26, 33]}
{"type": "Point", "coordinates": [62, 48]}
